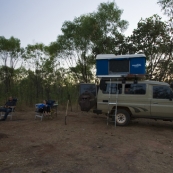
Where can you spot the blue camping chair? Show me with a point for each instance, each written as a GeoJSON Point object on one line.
{"type": "Point", "coordinates": [41, 115]}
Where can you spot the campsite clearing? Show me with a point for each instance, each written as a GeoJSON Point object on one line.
{"type": "Point", "coordinates": [85, 145]}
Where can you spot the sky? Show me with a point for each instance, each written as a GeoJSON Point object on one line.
{"type": "Point", "coordinates": [40, 21]}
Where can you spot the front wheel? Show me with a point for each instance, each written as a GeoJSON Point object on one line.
{"type": "Point", "coordinates": [122, 117]}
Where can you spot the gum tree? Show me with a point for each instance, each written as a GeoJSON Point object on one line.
{"type": "Point", "coordinates": [151, 37]}
{"type": "Point", "coordinates": [88, 35]}
{"type": "Point", "coordinates": [10, 57]}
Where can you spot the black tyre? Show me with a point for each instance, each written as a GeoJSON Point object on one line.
{"type": "Point", "coordinates": [122, 117]}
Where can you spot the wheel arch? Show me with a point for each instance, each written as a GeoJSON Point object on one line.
{"type": "Point", "coordinates": [121, 107]}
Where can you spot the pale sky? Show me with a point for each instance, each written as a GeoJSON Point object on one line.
{"type": "Point", "coordinates": [40, 21]}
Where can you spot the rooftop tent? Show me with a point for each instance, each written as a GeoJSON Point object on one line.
{"type": "Point", "coordinates": [110, 65]}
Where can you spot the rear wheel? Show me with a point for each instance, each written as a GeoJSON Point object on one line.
{"type": "Point", "coordinates": [122, 117]}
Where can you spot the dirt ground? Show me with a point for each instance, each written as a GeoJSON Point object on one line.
{"type": "Point", "coordinates": [86, 144]}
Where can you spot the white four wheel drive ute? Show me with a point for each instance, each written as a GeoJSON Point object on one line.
{"type": "Point", "coordinates": [144, 99]}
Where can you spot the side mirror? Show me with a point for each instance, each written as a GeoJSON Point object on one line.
{"type": "Point", "coordinates": [123, 80]}
{"type": "Point", "coordinates": [171, 85]}
{"type": "Point", "coordinates": [103, 84]}
{"type": "Point", "coordinates": [170, 98]}
{"type": "Point", "coordinates": [135, 81]}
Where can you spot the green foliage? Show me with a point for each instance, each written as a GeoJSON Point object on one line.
{"type": "Point", "coordinates": [109, 26]}
{"type": "Point", "coordinates": [10, 54]}
{"type": "Point", "coordinates": [86, 36]}
{"type": "Point", "coordinates": [167, 6]}
{"type": "Point", "coordinates": [10, 51]}
{"type": "Point", "coordinates": [151, 37]}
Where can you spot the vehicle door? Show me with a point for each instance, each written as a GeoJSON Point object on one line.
{"type": "Point", "coordinates": [161, 103]}
{"type": "Point", "coordinates": [136, 99]}
{"type": "Point", "coordinates": [108, 96]}
{"type": "Point", "coordinates": [113, 90]}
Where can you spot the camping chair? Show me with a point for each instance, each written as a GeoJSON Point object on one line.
{"type": "Point", "coordinates": [37, 113]}
{"type": "Point", "coordinates": [12, 113]}
{"type": "Point", "coordinates": [51, 103]}
{"type": "Point", "coordinates": [41, 115]}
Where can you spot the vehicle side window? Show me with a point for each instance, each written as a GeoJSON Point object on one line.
{"type": "Point", "coordinates": [135, 89]}
{"type": "Point", "coordinates": [162, 92]}
{"type": "Point", "coordinates": [112, 88]}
